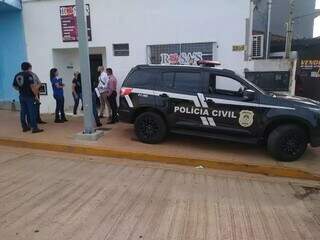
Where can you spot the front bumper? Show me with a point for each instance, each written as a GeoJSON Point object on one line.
{"type": "Point", "coordinates": [315, 137]}
{"type": "Point", "coordinates": [315, 141]}
{"type": "Point", "coordinates": [126, 115]}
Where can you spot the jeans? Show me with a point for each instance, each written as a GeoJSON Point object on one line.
{"type": "Point", "coordinates": [59, 107]}
{"type": "Point", "coordinates": [113, 104]}
{"type": "Point", "coordinates": [76, 99]}
{"type": "Point", "coordinates": [28, 111]}
{"type": "Point", "coordinates": [94, 107]}
{"type": "Point", "coordinates": [37, 108]}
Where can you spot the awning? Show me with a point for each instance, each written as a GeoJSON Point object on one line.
{"type": "Point", "coordinates": [10, 5]}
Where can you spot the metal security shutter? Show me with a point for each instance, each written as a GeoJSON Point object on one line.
{"type": "Point", "coordinates": [257, 46]}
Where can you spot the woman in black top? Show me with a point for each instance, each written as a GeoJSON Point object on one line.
{"type": "Point", "coordinates": [76, 92]}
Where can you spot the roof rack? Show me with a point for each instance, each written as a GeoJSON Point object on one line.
{"type": "Point", "coordinates": [208, 63]}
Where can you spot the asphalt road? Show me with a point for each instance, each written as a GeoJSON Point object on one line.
{"type": "Point", "coordinates": [46, 195]}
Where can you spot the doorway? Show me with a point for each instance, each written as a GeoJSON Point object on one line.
{"type": "Point", "coordinates": [95, 62]}
{"type": "Point", "coordinates": [67, 61]}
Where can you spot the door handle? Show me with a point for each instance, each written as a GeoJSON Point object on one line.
{"type": "Point", "coordinates": [164, 95]}
{"type": "Point", "coordinates": [209, 101]}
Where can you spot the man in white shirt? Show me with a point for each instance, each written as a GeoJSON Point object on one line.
{"type": "Point", "coordinates": [102, 89]}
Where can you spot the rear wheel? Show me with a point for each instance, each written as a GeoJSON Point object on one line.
{"type": "Point", "coordinates": [287, 143]}
{"type": "Point", "coordinates": [150, 128]}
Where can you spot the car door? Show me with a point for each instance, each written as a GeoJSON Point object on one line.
{"type": "Point", "coordinates": [229, 112]}
{"type": "Point", "coordinates": [177, 97]}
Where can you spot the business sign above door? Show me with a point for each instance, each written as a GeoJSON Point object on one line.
{"type": "Point", "coordinates": [180, 53]}
{"type": "Point", "coordinates": [68, 18]}
{"type": "Point", "coordinates": [183, 58]}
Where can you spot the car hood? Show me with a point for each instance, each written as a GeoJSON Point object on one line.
{"type": "Point", "coordinates": [298, 101]}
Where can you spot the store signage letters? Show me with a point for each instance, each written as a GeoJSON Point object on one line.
{"type": "Point", "coordinates": [182, 58]}
{"type": "Point", "coordinates": [310, 63]}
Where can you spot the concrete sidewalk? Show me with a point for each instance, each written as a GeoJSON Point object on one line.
{"type": "Point", "coordinates": [119, 141]}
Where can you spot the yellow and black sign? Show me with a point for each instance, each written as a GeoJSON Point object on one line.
{"type": "Point", "coordinates": [238, 48]}
{"type": "Point", "coordinates": [310, 63]}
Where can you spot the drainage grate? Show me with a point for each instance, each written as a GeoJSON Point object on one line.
{"type": "Point", "coordinates": [103, 129]}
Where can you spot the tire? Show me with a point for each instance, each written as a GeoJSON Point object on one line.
{"type": "Point", "coordinates": [150, 128]}
{"type": "Point", "coordinates": [287, 143]}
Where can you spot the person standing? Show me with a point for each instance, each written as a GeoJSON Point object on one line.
{"type": "Point", "coordinates": [102, 88]}
{"type": "Point", "coordinates": [28, 90]}
{"type": "Point", "coordinates": [76, 92]}
{"type": "Point", "coordinates": [38, 103]}
{"type": "Point", "coordinates": [57, 86]}
{"type": "Point", "coordinates": [112, 95]}
{"type": "Point", "coordinates": [94, 85]}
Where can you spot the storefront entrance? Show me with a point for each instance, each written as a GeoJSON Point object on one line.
{"type": "Point", "coordinates": [67, 62]}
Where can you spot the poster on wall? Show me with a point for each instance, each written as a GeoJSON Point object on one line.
{"type": "Point", "coordinates": [68, 18]}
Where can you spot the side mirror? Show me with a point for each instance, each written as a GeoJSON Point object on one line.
{"type": "Point", "coordinates": [249, 94]}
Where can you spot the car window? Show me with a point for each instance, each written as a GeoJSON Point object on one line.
{"type": "Point", "coordinates": [167, 79]}
{"type": "Point", "coordinates": [187, 81]}
{"type": "Point", "coordinates": [181, 81]}
{"type": "Point", "coordinates": [225, 85]}
{"type": "Point", "coordinates": [142, 78]}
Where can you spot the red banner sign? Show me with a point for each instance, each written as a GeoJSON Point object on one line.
{"type": "Point", "coordinates": [68, 19]}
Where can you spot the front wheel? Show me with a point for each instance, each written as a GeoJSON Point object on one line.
{"type": "Point", "coordinates": [150, 128]}
{"type": "Point", "coordinates": [287, 143]}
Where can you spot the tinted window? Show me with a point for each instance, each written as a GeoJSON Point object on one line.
{"type": "Point", "coordinates": [187, 81]}
{"type": "Point", "coordinates": [142, 78]}
{"type": "Point", "coordinates": [167, 80]}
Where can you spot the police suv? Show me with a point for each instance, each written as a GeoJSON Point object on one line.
{"type": "Point", "coordinates": [216, 103]}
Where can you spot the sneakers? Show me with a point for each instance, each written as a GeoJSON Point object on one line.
{"type": "Point", "coordinates": [99, 124]}
{"type": "Point", "coordinates": [58, 121]}
{"type": "Point", "coordinates": [41, 122]}
{"type": "Point", "coordinates": [26, 129]}
{"type": "Point", "coordinates": [37, 130]}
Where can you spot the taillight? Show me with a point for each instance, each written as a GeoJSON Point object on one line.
{"type": "Point", "coordinates": [125, 91]}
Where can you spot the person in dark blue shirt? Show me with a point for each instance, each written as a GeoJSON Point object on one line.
{"type": "Point", "coordinates": [57, 86]}
{"type": "Point", "coordinates": [28, 90]}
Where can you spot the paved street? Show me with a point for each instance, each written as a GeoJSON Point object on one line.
{"type": "Point", "coordinates": [47, 195]}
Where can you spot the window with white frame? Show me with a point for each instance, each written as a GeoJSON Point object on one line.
{"type": "Point", "coordinates": [257, 46]}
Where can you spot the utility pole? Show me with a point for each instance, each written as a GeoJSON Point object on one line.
{"type": "Point", "coordinates": [268, 28]}
{"type": "Point", "coordinates": [252, 6]}
{"type": "Point", "coordinates": [84, 67]}
{"type": "Point", "coordinates": [289, 26]}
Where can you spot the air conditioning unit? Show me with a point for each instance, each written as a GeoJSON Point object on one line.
{"type": "Point", "coordinates": [257, 46]}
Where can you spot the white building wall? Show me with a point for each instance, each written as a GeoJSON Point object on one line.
{"type": "Point", "coordinates": [139, 23]}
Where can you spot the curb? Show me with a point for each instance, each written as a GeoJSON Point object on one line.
{"type": "Point", "coordinates": [275, 171]}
